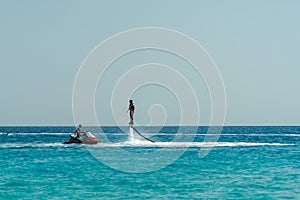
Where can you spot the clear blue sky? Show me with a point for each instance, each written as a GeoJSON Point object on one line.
{"type": "Point", "coordinates": [255, 44]}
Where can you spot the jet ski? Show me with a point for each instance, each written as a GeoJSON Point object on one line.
{"type": "Point", "coordinates": [85, 138]}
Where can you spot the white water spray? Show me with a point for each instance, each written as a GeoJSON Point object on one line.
{"type": "Point", "coordinates": [131, 135]}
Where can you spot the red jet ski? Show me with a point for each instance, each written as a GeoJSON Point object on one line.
{"type": "Point", "coordinates": [85, 138]}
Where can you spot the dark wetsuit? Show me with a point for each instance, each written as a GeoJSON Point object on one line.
{"type": "Point", "coordinates": [131, 109]}
{"type": "Point", "coordinates": [77, 136]}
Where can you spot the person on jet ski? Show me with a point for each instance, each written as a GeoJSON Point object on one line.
{"type": "Point", "coordinates": [75, 137]}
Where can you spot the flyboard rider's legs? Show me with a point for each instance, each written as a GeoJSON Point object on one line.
{"type": "Point", "coordinates": [131, 117]}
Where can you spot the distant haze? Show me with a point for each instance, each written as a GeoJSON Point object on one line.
{"type": "Point", "coordinates": [255, 45]}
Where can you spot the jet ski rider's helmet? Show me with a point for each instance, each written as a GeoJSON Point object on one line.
{"type": "Point", "coordinates": [80, 125]}
{"type": "Point", "coordinates": [130, 101]}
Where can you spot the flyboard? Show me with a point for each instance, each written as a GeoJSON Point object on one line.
{"type": "Point", "coordinates": [133, 129]}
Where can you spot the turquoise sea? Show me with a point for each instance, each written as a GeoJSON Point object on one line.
{"type": "Point", "coordinates": [255, 162]}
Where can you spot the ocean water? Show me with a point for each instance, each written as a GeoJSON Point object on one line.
{"type": "Point", "coordinates": [245, 163]}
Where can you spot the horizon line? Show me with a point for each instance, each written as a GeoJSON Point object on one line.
{"type": "Point", "coordinates": [114, 125]}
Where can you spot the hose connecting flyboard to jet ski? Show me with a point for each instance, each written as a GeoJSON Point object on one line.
{"type": "Point", "coordinates": [142, 135]}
